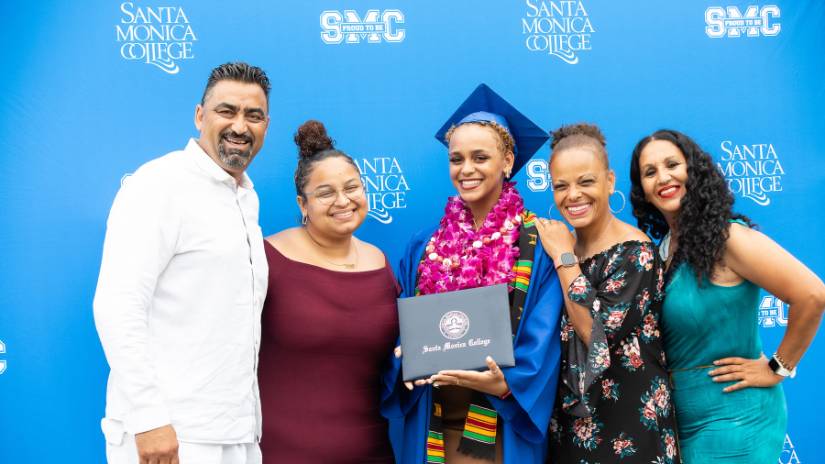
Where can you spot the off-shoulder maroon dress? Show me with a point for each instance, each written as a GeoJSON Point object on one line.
{"type": "Point", "coordinates": [325, 336]}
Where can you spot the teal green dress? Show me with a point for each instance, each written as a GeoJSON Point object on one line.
{"type": "Point", "coordinates": [701, 324]}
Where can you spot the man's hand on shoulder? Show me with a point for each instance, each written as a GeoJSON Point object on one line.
{"type": "Point", "coordinates": [158, 446]}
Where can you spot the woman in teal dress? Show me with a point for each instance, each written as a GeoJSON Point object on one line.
{"type": "Point", "coordinates": [729, 403]}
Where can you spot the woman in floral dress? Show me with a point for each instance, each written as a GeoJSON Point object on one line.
{"type": "Point", "coordinates": [614, 400]}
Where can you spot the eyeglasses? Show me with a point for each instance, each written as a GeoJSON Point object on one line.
{"type": "Point", "coordinates": [327, 196]}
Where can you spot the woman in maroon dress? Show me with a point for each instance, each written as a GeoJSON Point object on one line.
{"type": "Point", "coordinates": [329, 320]}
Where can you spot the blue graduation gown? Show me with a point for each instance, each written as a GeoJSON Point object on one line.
{"type": "Point", "coordinates": [525, 415]}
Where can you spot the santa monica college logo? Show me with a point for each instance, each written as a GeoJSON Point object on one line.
{"type": "Point", "coordinates": [375, 26]}
{"type": "Point", "coordinates": [385, 186]}
{"type": "Point", "coordinates": [732, 22]}
{"type": "Point", "coordinates": [788, 455]}
{"type": "Point", "coordinates": [752, 170]}
{"type": "Point", "coordinates": [160, 36]}
{"type": "Point", "coordinates": [558, 28]}
{"type": "Point", "coordinates": [454, 325]}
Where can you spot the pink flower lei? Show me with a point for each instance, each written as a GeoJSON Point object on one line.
{"type": "Point", "coordinates": [458, 257]}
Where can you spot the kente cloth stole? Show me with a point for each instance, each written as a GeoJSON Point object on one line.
{"type": "Point", "coordinates": [479, 436]}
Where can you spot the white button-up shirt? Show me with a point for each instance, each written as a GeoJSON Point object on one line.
{"type": "Point", "coordinates": [179, 299]}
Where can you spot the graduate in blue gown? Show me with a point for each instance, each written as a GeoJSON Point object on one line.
{"type": "Point", "coordinates": [485, 237]}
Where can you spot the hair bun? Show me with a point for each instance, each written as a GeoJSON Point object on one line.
{"type": "Point", "coordinates": [583, 129]}
{"type": "Point", "coordinates": [311, 138]}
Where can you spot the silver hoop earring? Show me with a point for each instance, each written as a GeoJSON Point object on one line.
{"type": "Point", "coordinates": [304, 220]}
{"type": "Point", "coordinates": [624, 202]}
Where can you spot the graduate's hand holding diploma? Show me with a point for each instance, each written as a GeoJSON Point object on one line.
{"type": "Point", "coordinates": [491, 381]}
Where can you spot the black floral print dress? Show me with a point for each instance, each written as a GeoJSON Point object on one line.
{"type": "Point", "coordinates": [613, 402]}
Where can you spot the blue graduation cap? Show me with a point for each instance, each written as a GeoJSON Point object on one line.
{"type": "Point", "coordinates": [484, 105]}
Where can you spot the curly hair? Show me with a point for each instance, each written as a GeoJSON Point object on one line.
{"type": "Point", "coordinates": [580, 135]}
{"type": "Point", "coordinates": [705, 211]}
{"type": "Point", "coordinates": [505, 141]}
{"type": "Point", "coordinates": [314, 145]}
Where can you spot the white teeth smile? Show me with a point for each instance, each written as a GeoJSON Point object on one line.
{"type": "Point", "coordinates": [343, 214]}
{"type": "Point", "coordinates": [470, 183]}
{"type": "Point", "coordinates": [578, 209]}
{"type": "Point", "coordinates": [668, 191]}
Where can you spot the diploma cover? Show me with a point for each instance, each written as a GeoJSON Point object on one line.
{"type": "Point", "coordinates": [455, 330]}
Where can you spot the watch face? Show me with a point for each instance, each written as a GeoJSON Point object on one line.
{"type": "Point", "coordinates": [568, 259]}
{"type": "Point", "coordinates": [779, 370]}
{"type": "Point", "coordinates": [774, 366]}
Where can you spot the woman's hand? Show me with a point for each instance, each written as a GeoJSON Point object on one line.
{"type": "Point", "coordinates": [555, 237]}
{"type": "Point", "coordinates": [491, 381]}
{"type": "Point", "coordinates": [749, 373]}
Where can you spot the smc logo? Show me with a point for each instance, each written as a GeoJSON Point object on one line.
{"type": "Point", "coordinates": [538, 176]}
{"type": "Point", "coordinates": [773, 312]}
{"type": "Point", "coordinates": [754, 22]}
{"type": "Point", "coordinates": [347, 26]}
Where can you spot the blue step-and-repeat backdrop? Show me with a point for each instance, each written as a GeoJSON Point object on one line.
{"type": "Point", "coordinates": [91, 90]}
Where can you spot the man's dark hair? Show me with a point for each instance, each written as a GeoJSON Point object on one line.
{"type": "Point", "coordinates": [239, 72]}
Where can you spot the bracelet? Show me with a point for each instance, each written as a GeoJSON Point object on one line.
{"type": "Point", "coordinates": [506, 394]}
{"type": "Point", "coordinates": [781, 361]}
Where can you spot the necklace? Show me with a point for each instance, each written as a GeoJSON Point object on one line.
{"type": "Point", "coordinates": [459, 256]}
{"type": "Point", "coordinates": [343, 265]}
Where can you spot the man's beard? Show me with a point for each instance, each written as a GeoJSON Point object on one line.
{"type": "Point", "coordinates": [234, 158]}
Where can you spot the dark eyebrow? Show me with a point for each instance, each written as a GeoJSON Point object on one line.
{"type": "Point", "coordinates": [233, 108]}
{"type": "Point", "coordinates": [227, 106]}
{"type": "Point", "coordinates": [478, 151]}
{"type": "Point", "coordinates": [348, 181]}
{"type": "Point", "coordinates": [258, 111]}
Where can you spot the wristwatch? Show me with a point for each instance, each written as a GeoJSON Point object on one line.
{"type": "Point", "coordinates": [779, 368]}
{"type": "Point", "coordinates": [567, 259]}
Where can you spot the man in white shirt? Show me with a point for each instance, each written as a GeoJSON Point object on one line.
{"type": "Point", "coordinates": [181, 288]}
